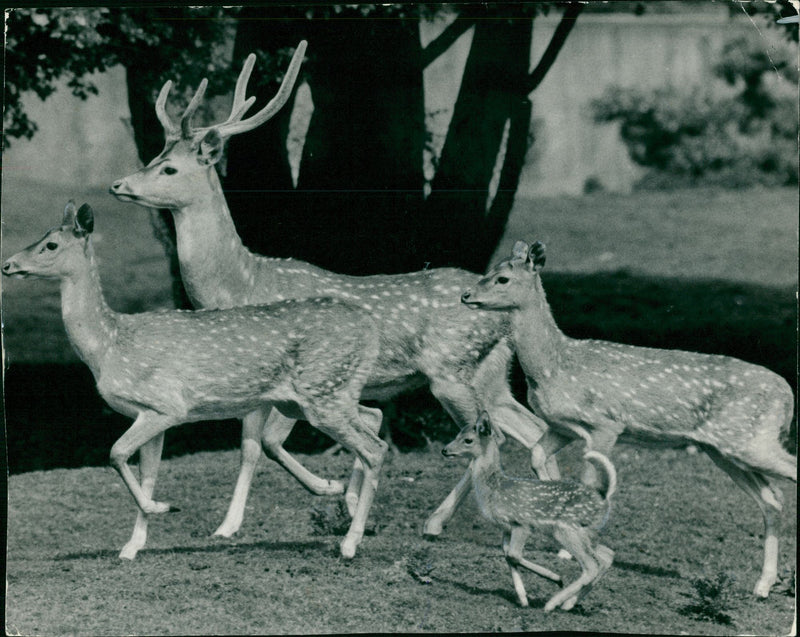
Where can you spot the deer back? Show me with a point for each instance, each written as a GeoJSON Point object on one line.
{"type": "Point", "coordinates": [205, 363]}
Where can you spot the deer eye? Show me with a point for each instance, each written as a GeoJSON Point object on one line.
{"type": "Point", "coordinates": [168, 170]}
{"type": "Point", "coordinates": [502, 280]}
{"type": "Point", "coordinates": [468, 441]}
{"type": "Point", "coordinates": [50, 245]}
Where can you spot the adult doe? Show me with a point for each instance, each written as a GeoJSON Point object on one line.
{"type": "Point", "coordinates": [426, 336]}
{"type": "Point", "coordinates": [570, 511]}
{"type": "Point", "coordinates": [306, 358]}
{"type": "Point", "coordinates": [734, 411]}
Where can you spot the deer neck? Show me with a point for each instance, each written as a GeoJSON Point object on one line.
{"type": "Point", "coordinates": [538, 341]}
{"type": "Point", "coordinates": [89, 322]}
{"type": "Point", "coordinates": [215, 264]}
{"type": "Point", "coordinates": [486, 465]}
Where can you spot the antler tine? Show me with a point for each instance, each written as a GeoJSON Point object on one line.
{"type": "Point", "coordinates": [240, 105]}
{"type": "Point", "coordinates": [241, 87]}
{"type": "Point", "coordinates": [232, 128]}
{"type": "Point", "coordinates": [186, 120]}
{"type": "Point", "coordinates": [170, 129]}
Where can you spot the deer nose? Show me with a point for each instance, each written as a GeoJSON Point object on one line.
{"type": "Point", "coordinates": [444, 452]}
{"type": "Point", "coordinates": [7, 266]}
{"type": "Point", "coordinates": [116, 185]}
{"type": "Point", "coordinates": [466, 296]}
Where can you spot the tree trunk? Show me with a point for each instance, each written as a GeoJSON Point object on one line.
{"type": "Point", "coordinates": [462, 228]}
{"type": "Point", "coordinates": [357, 202]}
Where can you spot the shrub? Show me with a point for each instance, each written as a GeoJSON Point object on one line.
{"type": "Point", "coordinates": [330, 518]}
{"type": "Point", "coordinates": [702, 136]}
{"type": "Point", "coordinates": [712, 599]}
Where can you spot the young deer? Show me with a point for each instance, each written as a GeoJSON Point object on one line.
{"type": "Point", "coordinates": [571, 511]}
{"type": "Point", "coordinates": [307, 358]}
{"type": "Point", "coordinates": [426, 336]}
{"type": "Point", "coordinates": [735, 411]}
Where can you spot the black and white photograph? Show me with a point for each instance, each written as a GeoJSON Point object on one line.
{"type": "Point", "coordinates": [462, 317]}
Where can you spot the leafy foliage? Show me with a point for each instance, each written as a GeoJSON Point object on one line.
{"type": "Point", "coordinates": [712, 599]}
{"type": "Point", "coordinates": [330, 518]}
{"type": "Point", "coordinates": [772, 11]}
{"type": "Point", "coordinates": [699, 135]}
{"type": "Point", "coordinates": [185, 44]}
{"type": "Point", "coordinates": [44, 46]}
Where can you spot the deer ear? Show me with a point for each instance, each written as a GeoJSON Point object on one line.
{"type": "Point", "coordinates": [210, 150]}
{"type": "Point", "coordinates": [536, 256]}
{"type": "Point", "coordinates": [69, 213]}
{"type": "Point", "coordinates": [520, 250]}
{"type": "Point", "coordinates": [84, 221]}
{"type": "Point", "coordinates": [484, 425]}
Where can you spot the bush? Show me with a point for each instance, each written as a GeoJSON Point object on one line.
{"type": "Point", "coordinates": [712, 599]}
{"type": "Point", "coordinates": [700, 136]}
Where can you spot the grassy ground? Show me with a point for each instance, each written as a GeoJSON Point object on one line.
{"type": "Point", "coordinates": [676, 517]}
{"type": "Point", "coordinates": [706, 270]}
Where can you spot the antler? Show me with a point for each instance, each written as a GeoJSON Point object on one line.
{"type": "Point", "coordinates": [170, 131]}
{"type": "Point", "coordinates": [234, 124]}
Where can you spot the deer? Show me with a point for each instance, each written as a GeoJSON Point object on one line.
{"type": "Point", "coordinates": [736, 412]}
{"type": "Point", "coordinates": [569, 510]}
{"type": "Point", "coordinates": [426, 336]}
{"type": "Point", "coordinates": [307, 358]}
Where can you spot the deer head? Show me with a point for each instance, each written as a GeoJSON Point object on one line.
{"type": "Point", "coordinates": [507, 285]}
{"type": "Point", "coordinates": [181, 172]}
{"type": "Point", "coordinates": [472, 440]}
{"type": "Point", "coordinates": [60, 252]}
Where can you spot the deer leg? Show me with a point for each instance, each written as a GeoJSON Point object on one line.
{"type": "Point", "coordinates": [516, 578]}
{"type": "Point", "coordinates": [460, 403]}
{"type": "Point", "coordinates": [149, 461]}
{"type": "Point", "coordinates": [604, 556]}
{"type": "Point", "coordinates": [770, 501]}
{"type": "Point", "coordinates": [147, 425]}
{"type": "Point", "coordinates": [491, 387]}
{"type": "Point", "coordinates": [513, 550]}
{"type": "Point", "coordinates": [577, 542]}
{"type": "Point", "coordinates": [549, 444]}
{"type": "Point", "coordinates": [357, 432]}
{"type": "Point", "coordinates": [276, 430]}
{"type": "Point", "coordinates": [354, 486]}
{"type": "Point", "coordinates": [370, 416]}
{"type": "Point", "coordinates": [252, 427]}
{"type": "Point", "coordinates": [435, 523]}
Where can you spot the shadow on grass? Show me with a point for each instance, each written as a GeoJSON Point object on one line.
{"type": "Point", "coordinates": [55, 417]}
{"type": "Point", "coordinates": [646, 569]}
{"type": "Point", "coordinates": [506, 594]}
{"type": "Point", "coordinates": [221, 547]}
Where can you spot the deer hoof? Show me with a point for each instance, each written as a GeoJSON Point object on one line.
{"type": "Point", "coordinates": [763, 587]}
{"type": "Point", "coordinates": [433, 529]}
{"type": "Point", "coordinates": [570, 603]}
{"type": "Point", "coordinates": [154, 507]}
{"type": "Point", "coordinates": [348, 548]}
{"type": "Point", "coordinates": [128, 552]}
{"type": "Point", "coordinates": [225, 532]}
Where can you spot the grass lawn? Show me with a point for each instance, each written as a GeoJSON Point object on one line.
{"type": "Point", "coordinates": [676, 518]}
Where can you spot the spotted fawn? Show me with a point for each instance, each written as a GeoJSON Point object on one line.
{"type": "Point", "coordinates": [570, 511]}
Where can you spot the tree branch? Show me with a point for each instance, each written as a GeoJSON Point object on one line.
{"type": "Point", "coordinates": [557, 41]}
{"type": "Point", "coordinates": [446, 38]}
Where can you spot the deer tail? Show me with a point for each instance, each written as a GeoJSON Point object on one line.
{"type": "Point", "coordinates": [601, 460]}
